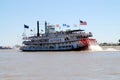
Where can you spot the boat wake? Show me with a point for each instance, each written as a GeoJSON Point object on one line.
{"type": "Point", "coordinates": [95, 48]}
{"type": "Point", "coordinates": [111, 49]}
{"type": "Point", "coordinates": [99, 48]}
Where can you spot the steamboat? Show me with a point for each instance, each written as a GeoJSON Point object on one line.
{"type": "Point", "coordinates": [51, 40]}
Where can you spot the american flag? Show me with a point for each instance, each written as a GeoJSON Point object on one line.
{"type": "Point", "coordinates": [83, 22]}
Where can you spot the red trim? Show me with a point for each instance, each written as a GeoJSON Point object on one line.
{"type": "Point", "coordinates": [87, 42]}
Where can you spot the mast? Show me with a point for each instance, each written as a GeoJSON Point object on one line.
{"type": "Point", "coordinates": [38, 34]}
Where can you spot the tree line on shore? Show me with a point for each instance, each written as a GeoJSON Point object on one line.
{"type": "Point", "coordinates": [110, 44]}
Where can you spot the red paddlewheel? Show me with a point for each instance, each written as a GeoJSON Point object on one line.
{"type": "Point", "coordinates": [87, 42]}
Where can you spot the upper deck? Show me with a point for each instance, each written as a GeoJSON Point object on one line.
{"type": "Point", "coordinates": [71, 33]}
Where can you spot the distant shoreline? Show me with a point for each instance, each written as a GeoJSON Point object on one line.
{"type": "Point", "coordinates": [1, 47]}
{"type": "Point", "coordinates": [114, 47]}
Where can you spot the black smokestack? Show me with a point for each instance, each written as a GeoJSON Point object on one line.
{"type": "Point", "coordinates": [38, 34]}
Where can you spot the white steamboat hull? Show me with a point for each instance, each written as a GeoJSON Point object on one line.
{"type": "Point", "coordinates": [55, 49]}
{"type": "Point", "coordinates": [74, 46]}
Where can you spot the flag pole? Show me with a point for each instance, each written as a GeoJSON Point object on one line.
{"type": "Point", "coordinates": [34, 31]}
{"type": "Point", "coordinates": [24, 30]}
{"type": "Point", "coordinates": [24, 34]}
{"type": "Point", "coordinates": [79, 24]}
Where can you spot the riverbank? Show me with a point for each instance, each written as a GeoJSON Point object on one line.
{"type": "Point", "coordinates": [111, 47]}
